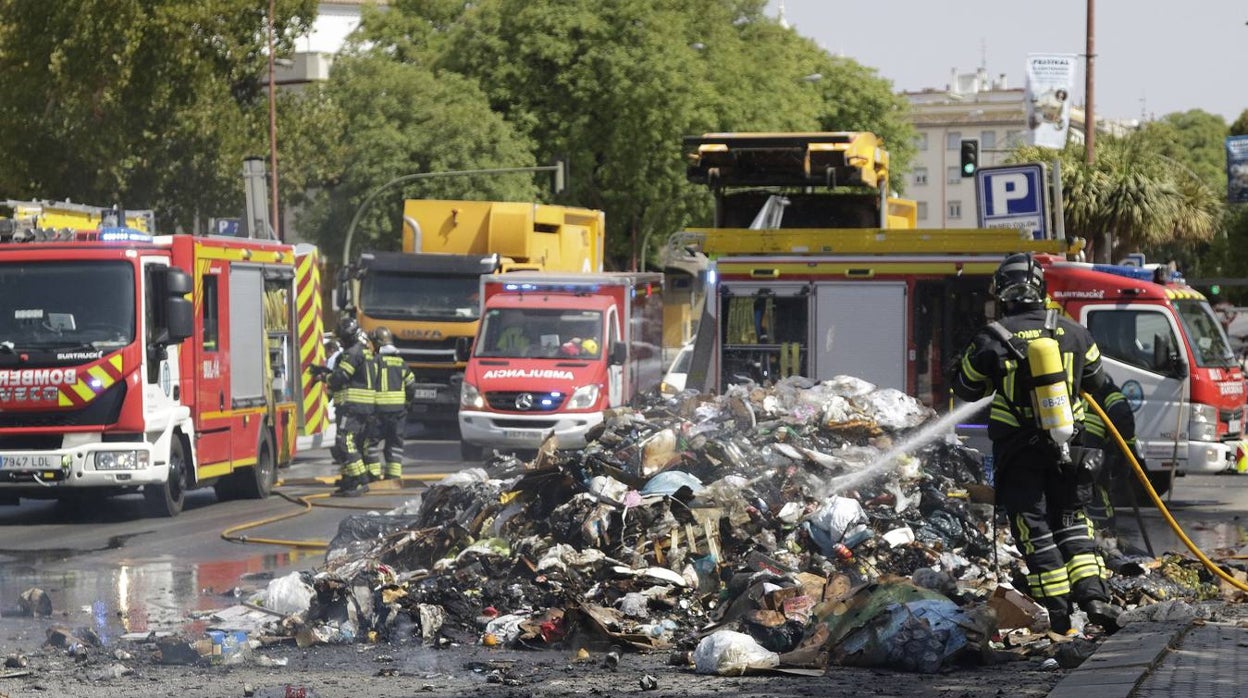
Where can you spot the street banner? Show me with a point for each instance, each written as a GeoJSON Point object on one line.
{"type": "Point", "coordinates": [1050, 79]}
{"type": "Point", "coordinates": [1237, 169]}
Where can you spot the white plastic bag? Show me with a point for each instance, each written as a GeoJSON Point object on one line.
{"type": "Point", "coordinates": [289, 594]}
{"type": "Point", "coordinates": [729, 653]}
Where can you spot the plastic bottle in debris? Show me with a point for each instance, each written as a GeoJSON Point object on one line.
{"type": "Point", "coordinates": [843, 552]}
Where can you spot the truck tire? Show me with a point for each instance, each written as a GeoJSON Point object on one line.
{"type": "Point", "coordinates": [471, 452]}
{"type": "Point", "coordinates": [256, 482]}
{"type": "Point", "coordinates": [166, 499]}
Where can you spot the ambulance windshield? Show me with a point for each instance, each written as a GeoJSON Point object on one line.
{"type": "Point", "coordinates": [387, 295]}
{"type": "Point", "coordinates": [53, 305]}
{"type": "Point", "coordinates": [516, 333]}
{"type": "Point", "coordinates": [1210, 345]}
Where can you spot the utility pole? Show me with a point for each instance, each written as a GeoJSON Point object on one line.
{"type": "Point", "coordinates": [277, 232]}
{"type": "Point", "coordinates": [1089, 120]}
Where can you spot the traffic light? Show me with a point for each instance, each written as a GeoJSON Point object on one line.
{"type": "Point", "coordinates": [970, 157]}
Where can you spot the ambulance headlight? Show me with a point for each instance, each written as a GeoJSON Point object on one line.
{"type": "Point", "coordinates": [470, 397]}
{"type": "Point", "coordinates": [121, 460]}
{"type": "Point", "coordinates": [584, 397]}
{"type": "Point", "coordinates": [1203, 425]}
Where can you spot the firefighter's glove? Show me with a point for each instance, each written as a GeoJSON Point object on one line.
{"type": "Point", "coordinates": [1085, 463]}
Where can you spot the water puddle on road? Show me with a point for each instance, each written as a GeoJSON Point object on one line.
{"type": "Point", "coordinates": [142, 596]}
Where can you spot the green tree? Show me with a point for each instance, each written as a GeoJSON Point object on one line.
{"type": "Point", "coordinates": [150, 103]}
{"type": "Point", "coordinates": [615, 86]}
{"type": "Point", "coordinates": [1131, 198]}
{"type": "Point", "coordinates": [1193, 142]}
{"type": "Point", "coordinates": [393, 119]}
{"type": "Point", "coordinates": [1240, 126]}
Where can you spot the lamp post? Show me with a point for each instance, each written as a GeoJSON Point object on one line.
{"type": "Point", "coordinates": [557, 168]}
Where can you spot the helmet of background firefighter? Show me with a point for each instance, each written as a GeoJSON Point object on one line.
{"type": "Point", "coordinates": [1018, 283]}
{"type": "Point", "coordinates": [348, 331]}
{"type": "Point", "coordinates": [382, 336]}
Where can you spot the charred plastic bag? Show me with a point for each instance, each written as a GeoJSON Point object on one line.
{"type": "Point", "coordinates": [359, 533]}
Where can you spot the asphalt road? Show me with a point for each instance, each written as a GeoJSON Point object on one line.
{"type": "Point", "coordinates": [154, 570]}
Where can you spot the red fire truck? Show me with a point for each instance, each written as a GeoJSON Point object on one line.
{"type": "Point", "coordinates": [131, 362]}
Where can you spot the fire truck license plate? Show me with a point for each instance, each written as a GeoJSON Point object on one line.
{"type": "Point", "coordinates": [425, 393]}
{"type": "Point", "coordinates": [523, 435]}
{"type": "Point", "coordinates": [31, 461]}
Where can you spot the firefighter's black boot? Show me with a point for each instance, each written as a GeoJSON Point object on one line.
{"type": "Point", "coordinates": [352, 486]}
{"type": "Point", "coordinates": [1103, 614]}
{"type": "Point", "coordinates": [1059, 613]}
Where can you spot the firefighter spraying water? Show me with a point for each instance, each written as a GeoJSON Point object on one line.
{"type": "Point", "coordinates": [1041, 480]}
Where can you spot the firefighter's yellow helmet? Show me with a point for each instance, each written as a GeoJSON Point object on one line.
{"type": "Point", "coordinates": [590, 346]}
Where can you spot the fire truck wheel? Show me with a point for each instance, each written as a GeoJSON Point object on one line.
{"type": "Point", "coordinates": [167, 499]}
{"type": "Point", "coordinates": [257, 481]}
{"type": "Point", "coordinates": [471, 452]}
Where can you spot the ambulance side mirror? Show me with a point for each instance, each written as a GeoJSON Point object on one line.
{"type": "Point", "coordinates": [619, 354]}
{"type": "Point", "coordinates": [463, 348]}
{"type": "Point", "coordinates": [1167, 358]}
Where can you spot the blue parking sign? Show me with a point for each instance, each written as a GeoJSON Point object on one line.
{"type": "Point", "coordinates": [1013, 196]}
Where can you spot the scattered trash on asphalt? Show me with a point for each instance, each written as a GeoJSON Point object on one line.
{"type": "Point", "coordinates": [793, 528]}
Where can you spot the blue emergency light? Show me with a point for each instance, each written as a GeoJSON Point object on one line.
{"type": "Point", "coordinates": [529, 287]}
{"type": "Point", "coordinates": [124, 235]}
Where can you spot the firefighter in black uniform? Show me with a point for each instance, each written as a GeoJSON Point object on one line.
{"type": "Point", "coordinates": [1041, 483]}
{"type": "Point", "coordinates": [396, 387]}
{"type": "Point", "coordinates": [355, 377]}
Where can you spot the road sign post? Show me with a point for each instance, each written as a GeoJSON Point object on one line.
{"type": "Point", "coordinates": [1014, 196]}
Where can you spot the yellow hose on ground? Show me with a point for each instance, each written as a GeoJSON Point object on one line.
{"type": "Point", "coordinates": [1148, 487]}
{"type": "Point", "coordinates": [231, 533]}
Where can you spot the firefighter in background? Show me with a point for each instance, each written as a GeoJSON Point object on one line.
{"type": "Point", "coordinates": [355, 377]}
{"type": "Point", "coordinates": [396, 388]}
{"type": "Point", "coordinates": [1034, 363]}
{"type": "Point", "coordinates": [1116, 472]}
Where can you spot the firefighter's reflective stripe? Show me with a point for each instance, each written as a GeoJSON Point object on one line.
{"type": "Point", "coordinates": [311, 347]}
{"type": "Point", "coordinates": [393, 381]}
{"type": "Point", "coordinates": [1052, 583]}
{"type": "Point", "coordinates": [360, 390]}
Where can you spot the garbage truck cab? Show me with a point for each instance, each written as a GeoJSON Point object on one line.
{"type": "Point", "coordinates": [1163, 345]}
{"type": "Point", "coordinates": [553, 352]}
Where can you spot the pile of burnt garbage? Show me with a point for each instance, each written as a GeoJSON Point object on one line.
{"type": "Point", "coordinates": [793, 527]}
{"type": "Point", "coordinates": [796, 526]}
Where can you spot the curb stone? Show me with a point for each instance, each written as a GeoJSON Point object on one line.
{"type": "Point", "coordinates": [1121, 661]}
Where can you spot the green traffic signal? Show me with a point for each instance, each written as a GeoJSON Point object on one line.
{"type": "Point", "coordinates": [1215, 289]}
{"type": "Point", "coordinates": [970, 157]}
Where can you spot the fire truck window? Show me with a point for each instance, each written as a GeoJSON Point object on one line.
{"type": "Point", "coordinates": [58, 304]}
{"type": "Point", "coordinates": [211, 318]}
{"type": "Point", "coordinates": [1128, 335]}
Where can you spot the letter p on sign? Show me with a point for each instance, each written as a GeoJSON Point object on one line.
{"type": "Point", "coordinates": [1006, 188]}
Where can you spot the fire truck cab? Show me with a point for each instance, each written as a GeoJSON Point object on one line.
{"type": "Point", "coordinates": [131, 362]}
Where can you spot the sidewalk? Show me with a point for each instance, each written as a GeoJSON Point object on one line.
{"type": "Point", "coordinates": [1156, 660]}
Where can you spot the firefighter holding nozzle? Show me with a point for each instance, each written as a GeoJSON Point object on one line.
{"type": "Point", "coordinates": [1035, 364]}
{"type": "Point", "coordinates": [354, 379]}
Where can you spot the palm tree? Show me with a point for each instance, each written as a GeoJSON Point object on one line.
{"type": "Point", "coordinates": [1130, 198]}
